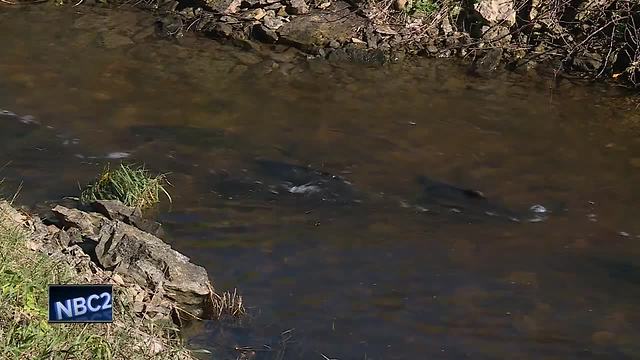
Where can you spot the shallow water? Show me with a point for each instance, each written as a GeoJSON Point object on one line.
{"type": "Point", "coordinates": [368, 281]}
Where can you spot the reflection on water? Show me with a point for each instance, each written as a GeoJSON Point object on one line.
{"type": "Point", "coordinates": [371, 280]}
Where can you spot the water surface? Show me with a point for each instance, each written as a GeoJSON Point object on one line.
{"type": "Point", "coordinates": [368, 281]}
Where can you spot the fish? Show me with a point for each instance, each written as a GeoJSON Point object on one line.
{"type": "Point", "coordinates": [307, 182]}
{"type": "Point", "coordinates": [472, 204]}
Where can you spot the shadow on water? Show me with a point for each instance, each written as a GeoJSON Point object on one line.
{"type": "Point", "coordinates": [328, 232]}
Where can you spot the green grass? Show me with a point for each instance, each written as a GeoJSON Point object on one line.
{"type": "Point", "coordinates": [133, 186]}
{"type": "Point", "coordinates": [24, 331]}
{"type": "Point", "coordinates": [424, 7]}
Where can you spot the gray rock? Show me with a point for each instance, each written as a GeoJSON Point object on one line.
{"type": "Point", "coordinates": [499, 34]}
{"type": "Point", "coordinates": [223, 29]}
{"type": "Point", "coordinates": [276, 6]}
{"type": "Point", "coordinates": [88, 223]}
{"type": "Point", "coordinates": [313, 31]}
{"type": "Point", "coordinates": [115, 210]}
{"type": "Point", "coordinates": [255, 14]}
{"type": "Point", "coordinates": [297, 7]}
{"type": "Point", "coordinates": [224, 6]}
{"type": "Point", "coordinates": [250, 3]}
{"type": "Point", "coordinates": [229, 19]}
{"type": "Point", "coordinates": [272, 22]}
{"type": "Point", "coordinates": [487, 62]}
{"type": "Point", "coordinates": [146, 259]}
{"type": "Point", "coordinates": [264, 34]}
{"type": "Point", "coordinates": [497, 11]}
{"type": "Point", "coordinates": [169, 26]}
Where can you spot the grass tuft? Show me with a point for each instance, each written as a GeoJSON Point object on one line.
{"type": "Point", "coordinates": [133, 186]}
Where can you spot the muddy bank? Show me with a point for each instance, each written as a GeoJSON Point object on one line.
{"type": "Point", "coordinates": [593, 39]}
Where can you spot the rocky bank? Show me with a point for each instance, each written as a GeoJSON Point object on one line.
{"type": "Point", "coordinates": [595, 38]}
{"type": "Point", "coordinates": [115, 244]}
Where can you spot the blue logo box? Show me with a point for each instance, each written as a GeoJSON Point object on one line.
{"type": "Point", "coordinates": [80, 303]}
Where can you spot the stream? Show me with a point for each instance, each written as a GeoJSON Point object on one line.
{"type": "Point", "coordinates": [82, 87]}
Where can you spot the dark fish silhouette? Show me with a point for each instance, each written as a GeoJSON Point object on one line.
{"type": "Point", "coordinates": [276, 180]}
{"type": "Point", "coordinates": [308, 182]}
{"type": "Point", "coordinates": [443, 197]}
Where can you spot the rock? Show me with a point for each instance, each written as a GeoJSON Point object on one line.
{"type": "Point", "coordinates": [499, 34]}
{"type": "Point", "coordinates": [587, 62]}
{"type": "Point", "coordinates": [487, 62]}
{"type": "Point", "coordinates": [224, 6]}
{"type": "Point", "coordinates": [264, 34]}
{"type": "Point", "coordinates": [112, 40]}
{"type": "Point", "coordinates": [273, 7]}
{"type": "Point", "coordinates": [255, 14]}
{"type": "Point", "coordinates": [88, 223]}
{"type": "Point", "coordinates": [297, 7]}
{"type": "Point", "coordinates": [250, 3]}
{"type": "Point", "coordinates": [144, 258]}
{"type": "Point", "coordinates": [272, 22]}
{"type": "Point", "coordinates": [313, 31]}
{"type": "Point", "coordinates": [229, 19]}
{"type": "Point", "coordinates": [116, 210]}
{"type": "Point", "coordinates": [169, 26]}
{"type": "Point", "coordinates": [497, 11]}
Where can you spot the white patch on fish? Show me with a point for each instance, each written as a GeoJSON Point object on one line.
{"type": "Point", "coordinates": [304, 189]}
{"type": "Point", "coordinates": [118, 155]}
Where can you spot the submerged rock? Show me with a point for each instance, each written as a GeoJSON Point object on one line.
{"type": "Point", "coordinates": [314, 31]}
{"type": "Point", "coordinates": [487, 62]}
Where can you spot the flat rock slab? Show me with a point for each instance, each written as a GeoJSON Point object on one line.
{"type": "Point", "coordinates": [316, 29]}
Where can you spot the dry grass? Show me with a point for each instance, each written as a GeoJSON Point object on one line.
{"type": "Point", "coordinates": [228, 303]}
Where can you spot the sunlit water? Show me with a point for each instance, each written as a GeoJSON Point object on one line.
{"type": "Point", "coordinates": [368, 281]}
